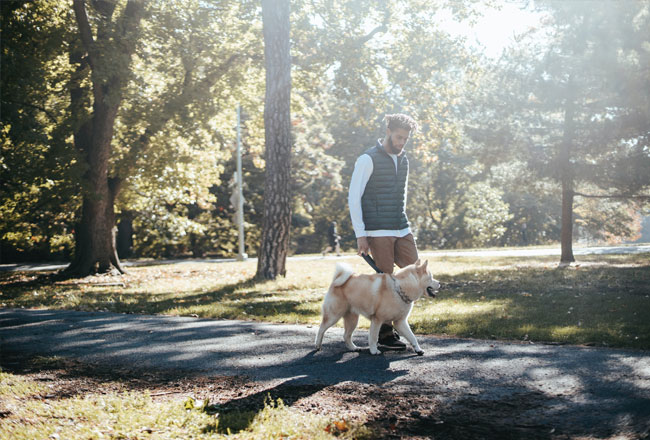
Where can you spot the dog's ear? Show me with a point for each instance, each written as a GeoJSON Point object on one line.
{"type": "Point", "coordinates": [420, 267]}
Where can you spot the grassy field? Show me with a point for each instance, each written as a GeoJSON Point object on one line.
{"type": "Point", "coordinates": [603, 300]}
{"type": "Point", "coordinates": [36, 407]}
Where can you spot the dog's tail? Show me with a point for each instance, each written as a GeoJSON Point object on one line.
{"type": "Point", "coordinates": [342, 274]}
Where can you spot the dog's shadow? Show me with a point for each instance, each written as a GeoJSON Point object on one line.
{"type": "Point", "coordinates": [404, 354]}
{"type": "Point", "coordinates": [339, 364]}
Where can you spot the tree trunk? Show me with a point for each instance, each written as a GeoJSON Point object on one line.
{"type": "Point", "coordinates": [95, 249]}
{"type": "Point", "coordinates": [567, 225]}
{"type": "Point", "coordinates": [274, 244]}
{"type": "Point", "coordinates": [566, 171]}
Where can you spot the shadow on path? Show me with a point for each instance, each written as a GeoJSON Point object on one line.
{"type": "Point", "coordinates": [459, 388]}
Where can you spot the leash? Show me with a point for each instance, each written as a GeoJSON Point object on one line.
{"type": "Point", "coordinates": [399, 291]}
{"type": "Point", "coordinates": [371, 262]}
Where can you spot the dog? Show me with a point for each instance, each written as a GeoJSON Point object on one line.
{"type": "Point", "coordinates": [379, 297]}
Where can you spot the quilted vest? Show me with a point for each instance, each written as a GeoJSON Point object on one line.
{"type": "Point", "coordinates": [383, 201]}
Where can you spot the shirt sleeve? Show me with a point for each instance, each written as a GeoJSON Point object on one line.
{"type": "Point", "coordinates": [362, 171]}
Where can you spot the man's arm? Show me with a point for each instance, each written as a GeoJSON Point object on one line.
{"type": "Point", "coordinates": [362, 171]}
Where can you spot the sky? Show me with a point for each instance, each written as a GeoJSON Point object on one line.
{"type": "Point", "coordinates": [496, 29]}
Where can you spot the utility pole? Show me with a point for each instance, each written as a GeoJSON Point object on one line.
{"type": "Point", "coordinates": [241, 255]}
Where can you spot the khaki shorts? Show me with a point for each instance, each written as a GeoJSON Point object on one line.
{"type": "Point", "coordinates": [388, 251]}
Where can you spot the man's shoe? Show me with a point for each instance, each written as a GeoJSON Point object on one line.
{"type": "Point", "coordinates": [390, 341]}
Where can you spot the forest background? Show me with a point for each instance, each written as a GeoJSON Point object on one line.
{"type": "Point", "coordinates": [558, 119]}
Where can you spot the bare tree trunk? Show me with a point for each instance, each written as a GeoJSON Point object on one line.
{"type": "Point", "coordinates": [566, 234]}
{"type": "Point", "coordinates": [95, 236]}
{"type": "Point", "coordinates": [566, 170]}
{"type": "Point", "coordinates": [274, 244]}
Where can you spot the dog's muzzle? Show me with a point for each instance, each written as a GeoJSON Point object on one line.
{"type": "Point", "coordinates": [431, 292]}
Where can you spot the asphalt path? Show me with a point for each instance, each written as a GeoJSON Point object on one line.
{"type": "Point", "coordinates": [513, 252]}
{"type": "Point", "coordinates": [572, 387]}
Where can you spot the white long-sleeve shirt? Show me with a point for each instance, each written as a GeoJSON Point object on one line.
{"type": "Point", "coordinates": [362, 171]}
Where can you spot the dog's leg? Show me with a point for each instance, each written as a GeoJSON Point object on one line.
{"type": "Point", "coordinates": [404, 329]}
{"type": "Point", "coordinates": [331, 314]}
{"type": "Point", "coordinates": [328, 321]}
{"type": "Point", "coordinates": [373, 336]}
{"type": "Point", "coordinates": [350, 320]}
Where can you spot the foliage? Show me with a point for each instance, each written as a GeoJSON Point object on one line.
{"type": "Point", "coordinates": [38, 166]}
{"type": "Point", "coordinates": [564, 106]}
{"type": "Point", "coordinates": [484, 165]}
{"type": "Point", "coordinates": [180, 123]}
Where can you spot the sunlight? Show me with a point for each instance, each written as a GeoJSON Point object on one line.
{"type": "Point", "coordinates": [496, 29]}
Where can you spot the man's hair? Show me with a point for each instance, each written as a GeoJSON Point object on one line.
{"type": "Point", "coordinates": [399, 120]}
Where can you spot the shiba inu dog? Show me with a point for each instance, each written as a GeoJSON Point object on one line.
{"type": "Point", "coordinates": [379, 297]}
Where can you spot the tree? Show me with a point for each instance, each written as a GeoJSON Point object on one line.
{"type": "Point", "coordinates": [39, 170]}
{"type": "Point", "coordinates": [569, 102]}
{"type": "Point", "coordinates": [107, 53]}
{"type": "Point", "coordinates": [176, 72]}
{"type": "Point", "coordinates": [591, 73]}
{"type": "Point", "coordinates": [274, 245]}
{"type": "Point", "coordinates": [196, 61]}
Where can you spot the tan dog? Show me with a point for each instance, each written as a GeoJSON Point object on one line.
{"type": "Point", "coordinates": [379, 297]}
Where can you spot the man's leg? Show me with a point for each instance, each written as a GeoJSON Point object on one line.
{"type": "Point", "coordinates": [406, 251]}
{"type": "Point", "coordinates": [383, 252]}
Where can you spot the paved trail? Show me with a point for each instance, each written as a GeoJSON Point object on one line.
{"type": "Point", "coordinates": [578, 390]}
{"type": "Point", "coordinates": [523, 252]}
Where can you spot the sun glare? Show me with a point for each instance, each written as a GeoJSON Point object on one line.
{"type": "Point", "coordinates": [496, 29]}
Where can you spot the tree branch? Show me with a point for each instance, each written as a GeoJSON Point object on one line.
{"type": "Point", "coordinates": [363, 40]}
{"type": "Point", "coordinates": [129, 23]}
{"type": "Point", "coordinates": [171, 108]}
{"type": "Point", "coordinates": [85, 31]}
{"type": "Point", "coordinates": [37, 107]}
{"type": "Point", "coordinates": [106, 9]}
{"type": "Point", "coordinates": [613, 196]}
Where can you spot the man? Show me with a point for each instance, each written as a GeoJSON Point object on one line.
{"type": "Point", "coordinates": [333, 240]}
{"type": "Point", "coordinates": [377, 201]}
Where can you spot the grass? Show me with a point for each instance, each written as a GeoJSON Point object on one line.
{"type": "Point", "coordinates": [28, 413]}
{"type": "Point", "coordinates": [603, 300]}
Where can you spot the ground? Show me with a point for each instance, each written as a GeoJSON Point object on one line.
{"type": "Point", "coordinates": [389, 412]}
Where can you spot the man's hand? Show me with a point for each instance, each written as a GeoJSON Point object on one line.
{"type": "Point", "coordinates": [363, 246]}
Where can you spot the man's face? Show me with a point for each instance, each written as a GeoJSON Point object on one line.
{"type": "Point", "coordinates": [397, 138]}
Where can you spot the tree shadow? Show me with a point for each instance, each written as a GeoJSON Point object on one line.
{"type": "Point", "coordinates": [597, 305]}
{"type": "Point", "coordinates": [460, 389]}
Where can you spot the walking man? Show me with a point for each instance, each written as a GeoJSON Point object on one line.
{"type": "Point", "coordinates": [377, 201]}
{"type": "Point", "coordinates": [333, 240]}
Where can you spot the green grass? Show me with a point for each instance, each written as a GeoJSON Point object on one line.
{"type": "Point", "coordinates": [133, 414]}
{"type": "Point", "coordinates": [603, 300]}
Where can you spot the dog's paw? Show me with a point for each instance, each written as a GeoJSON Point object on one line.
{"type": "Point", "coordinates": [419, 352]}
{"type": "Point", "coordinates": [375, 352]}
